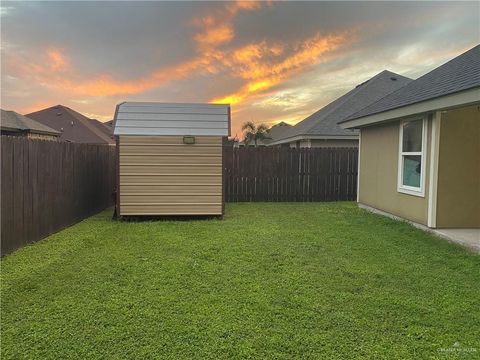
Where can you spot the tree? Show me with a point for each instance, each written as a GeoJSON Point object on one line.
{"type": "Point", "coordinates": [254, 133]}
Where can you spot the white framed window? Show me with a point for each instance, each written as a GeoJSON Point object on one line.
{"type": "Point", "coordinates": [412, 156]}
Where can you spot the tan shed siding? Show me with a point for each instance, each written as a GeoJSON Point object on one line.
{"type": "Point", "coordinates": [171, 209]}
{"type": "Point", "coordinates": [379, 174]}
{"type": "Point", "coordinates": [168, 179]}
{"type": "Point", "coordinates": [458, 199]}
{"type": "Point", "coordinates": [168, 189]}
{"type": "Point", "coordinates": [159, 175]}
{"type": "Point", "coordinates": [177, 169]}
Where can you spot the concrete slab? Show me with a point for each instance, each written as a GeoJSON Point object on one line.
{"type": "Point", "coordinates": [467, 237]}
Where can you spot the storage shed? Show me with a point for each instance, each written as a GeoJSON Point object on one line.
{"type": "Point", "coordinates": [170, 158]}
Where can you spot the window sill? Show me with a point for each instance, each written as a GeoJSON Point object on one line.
{"type": "Point", "coordinates": [419, 193]}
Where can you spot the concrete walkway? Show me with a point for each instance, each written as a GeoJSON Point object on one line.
{"type": "Point", "coordinates": [467, 237]}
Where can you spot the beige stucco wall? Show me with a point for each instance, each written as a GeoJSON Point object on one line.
{"type": "Point", "coordinates": [30, 135]}
{"type": "Point", "coordinates": [42, 137]}
{"type": "Point", "coordinates": [458, 189]}
{"type": "Point", "coordinates": [379, 172]}
{"type": "Point", "coordinates": [333, 143]}
{"type": "Point", "coordinates": [317, 143]}
{"type": "Point", "coordinates": [160, 175]}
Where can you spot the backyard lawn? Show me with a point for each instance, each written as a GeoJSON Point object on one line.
{"type": "Point", "coordinates": [277, 281]}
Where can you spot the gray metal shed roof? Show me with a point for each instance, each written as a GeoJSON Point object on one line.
{"type": "Point", "coordinates": [460, 73]}
{"type": "Point", "coordinates": [325, 121]}
{"type": "Point", "coordinates": [14, 121]}
{"type": "Point", "coordinates": [153, 118]}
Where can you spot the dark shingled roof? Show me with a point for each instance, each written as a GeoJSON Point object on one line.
{"type": "Point", "coordinates": [460, 73]}
{"type": "Point", "coordinates": [74, 126]}
{"type": "Point", "coordinates": [276, 132]}
{"type": "Point", "coordinates": [104, 127]}
{"type": "Point", "coordinates": [14, 121]}
{"type": "Point", "coordinates": [325, 121]}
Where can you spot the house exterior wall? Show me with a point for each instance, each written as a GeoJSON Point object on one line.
{"type": "Point", "coordinates": [314, 143]}
{"type": "Point", "coordinates": [160, 175]}
{"type": "Point", "coordinates": [42, 137]}
{"type": "Point", "coordinates": [379, 157]}
{"type": "Point", "coordinates": [458, 189]}
{"type": "Point", "coordinates": [319, 143]}
{"type": "Point", "coordinates": [299, 144]}
{"type": "Point", "coordinates": [30, 135]}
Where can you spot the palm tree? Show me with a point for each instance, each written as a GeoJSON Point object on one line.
{"type": "Point", "coordinates": [254, 133]}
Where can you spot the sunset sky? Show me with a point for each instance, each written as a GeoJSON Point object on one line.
{"type": "Point", "coordinates": [272, 61]}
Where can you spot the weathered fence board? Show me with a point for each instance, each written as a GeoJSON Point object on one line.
{"type": "Point", "coordinates": [284, 174]}
{"type": "Point", "coordinates": [49, 185]}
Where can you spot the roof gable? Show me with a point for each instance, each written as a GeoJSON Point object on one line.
{"type": "Point", "coordinates": [74, 127]}
{"type": "Point", "coordinates": [459, 74]}
{"type": "Point", "coordinates": [325, 121]}
{"type": "Point", "coordinates": [275, 132]}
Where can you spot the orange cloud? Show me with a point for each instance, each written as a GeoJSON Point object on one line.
{"type": "Point", "coordinates": [35, 107]}
{"type": "Point", "coordinates": [263, 72]}
{"type": "Point", "coordinates": [235, 6]}
{"type": "Point", "coordinates": [217, 29]}
{"type": "Point", "coordinates": [57, 60]}
{"type": "Point", "coordinates": [52, 70]}
{"type": "Point", "coordinates": [105, 85]}
{"type": "Point", "coordinates": [215, 36]}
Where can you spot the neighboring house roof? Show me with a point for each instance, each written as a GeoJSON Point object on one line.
{"type": "Point", "coordinates": [103, 127]}
{"type": "Point", "coordinates": [74, 127]}
{"type": "Point", "coordinates": [457, 75]}
{"type": "Point", "coordinates": [324, 123]}
{"type": "Point", "coordinates": [152, 118]}
{"type": "Point", "coordinates": [277, 131]}
{"type": "Point", "coordinates": [13, 121]}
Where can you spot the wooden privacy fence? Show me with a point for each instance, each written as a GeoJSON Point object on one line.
{"type": "Point", "coordinates": [49, 185]}
{"type": "Point", "coordinates": [284, 174]}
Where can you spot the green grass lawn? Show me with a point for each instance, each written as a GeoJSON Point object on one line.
{"type": "Point", "coordinates": [276, 281]}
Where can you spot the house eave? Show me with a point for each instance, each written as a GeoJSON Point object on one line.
{"type": "Point", "coordinates": [30, 131]}
{"type": "Point", "coordinates": [462, 98]}
{"type": "Point", "coordinates": [11, 129]}
{"type": "Point", "coordinates": [313, 137]}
